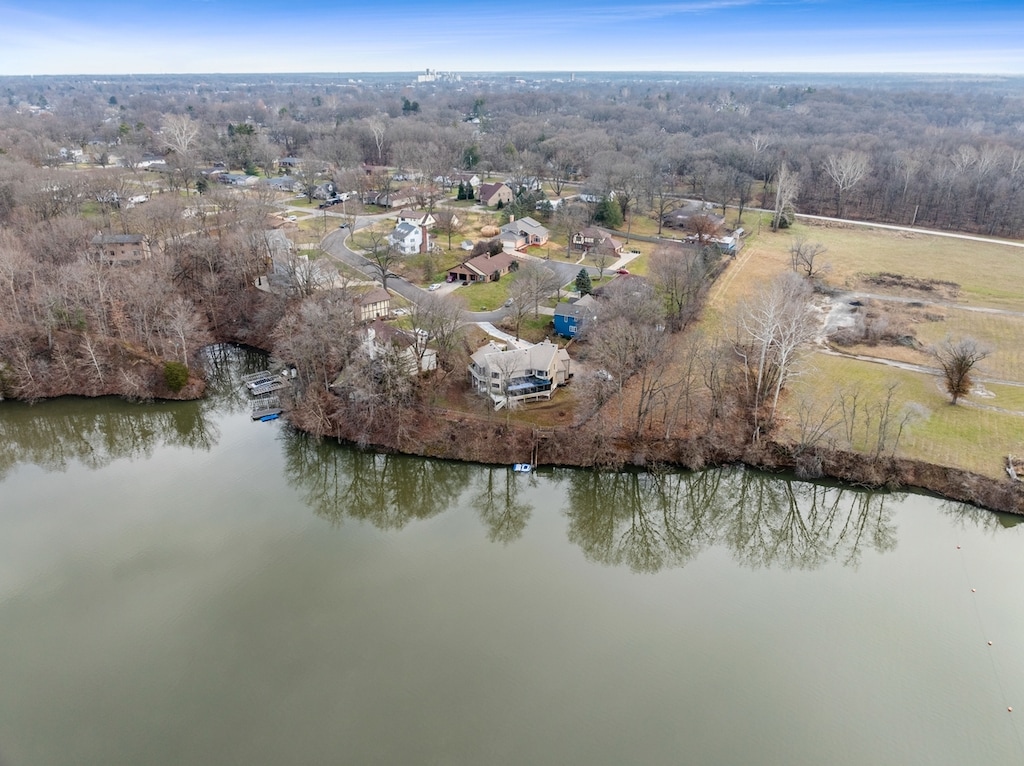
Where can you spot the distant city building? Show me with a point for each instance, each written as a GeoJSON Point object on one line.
{"type": "Point", "coordinates": [432, 75]}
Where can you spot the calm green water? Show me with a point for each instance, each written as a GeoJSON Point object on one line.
{"type": "Point", "coordinates": [180, 585]}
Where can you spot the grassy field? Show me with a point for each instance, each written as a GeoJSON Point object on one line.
{"type": "Point", "coordinates": [989, 424]}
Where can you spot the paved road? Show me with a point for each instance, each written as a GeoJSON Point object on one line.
{"type": "Point", "coordinates": [335, 244]}
{"type": "Point", "coordinates": [913, 229]}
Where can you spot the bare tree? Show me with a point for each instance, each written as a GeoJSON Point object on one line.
{"type": "Point", "coordinates": [518, 304]}
{"type": "Point", "coordinates": [316, 336]}
{"type": "Point", "coordinates": [957, 360]}
{"type": "Point", "coordinates": [180, 133]}
{"type": "Point", "coordinates": [441, 317]}
{"type": "Point", "coordinates": [787, 186]}
{"type": "Point", "coordinates": [629, 339]}
{"type": "Point", "coordinates": [742, 187]}
{"type": "Point", "coordinates": [378, 127]}
{"type": "Point", "coordinates": [771, 329]}
{"type": "Point", "coordinates": [803, 258]}
{"type": "Point", "coordinates": [382, 255]}
{"type": "Point", "coordinates": [846, 170]}
{"type": "Point", "coordinates": [570, 218]}
{"type": "Point", "coordinates": [535, 283]}
{"type": "Point", "coordinates": [308, 176]}
{"type": "Point", "coordinates": [704, 226]}
{"type": "Point", "coordinates": [183, 327]}
{"type": "Point", "coordinates": [662, 192]}
{"type": "Point", "coordinates": [679, 277]}
{"type": "Point", "coordinates": [449, 223]}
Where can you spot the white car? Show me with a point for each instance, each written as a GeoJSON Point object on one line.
{"type": "Point", "coordinates": [435, 286]}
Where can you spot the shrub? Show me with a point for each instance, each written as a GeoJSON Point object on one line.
{"type": "Point", "coordinates": [175, 375]}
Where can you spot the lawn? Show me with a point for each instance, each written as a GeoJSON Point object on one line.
{"type": "Point", "coordinates": [976, 434]}
{"type": "Point", "coordinates": [485, 296]}
{"type": "Point", "coordinates": [988, 274]}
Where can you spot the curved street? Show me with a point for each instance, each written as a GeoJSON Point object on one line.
{"type": "Point", "coordinates": [335, 244]}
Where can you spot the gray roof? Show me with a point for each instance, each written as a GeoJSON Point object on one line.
{"type": "Point", "coordinates": [526, 225]}
{"type": "Point", "coordinates": [585, 305]}
{"type": "Point", "coordinates": [403, 230]}
{"type": "Point", "coordinates": [117, 239]}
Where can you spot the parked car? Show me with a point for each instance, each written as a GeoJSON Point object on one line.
{"type": "Point", "coordinates": [435, 286]}
{"type": "Point", "coordinates": [621, 271]}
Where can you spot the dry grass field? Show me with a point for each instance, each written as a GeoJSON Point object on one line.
{"type": "Point", "coordinates": [985, 301]}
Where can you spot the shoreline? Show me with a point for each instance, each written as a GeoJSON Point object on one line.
{"type": "Point", "coordinates": [474, 438]}
{"type": "Point", "coordinates": [477, 440]}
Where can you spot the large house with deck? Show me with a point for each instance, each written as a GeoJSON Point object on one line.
{"type": "Point", "coordinates": [510, 376]}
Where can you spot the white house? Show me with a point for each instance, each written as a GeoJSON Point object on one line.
{"type": "Point", "coordinates": [513, 375]}
{"type": "Point", "coordinates": [413, 350]}
{"type": "Point", "coordinates": [408, 238]}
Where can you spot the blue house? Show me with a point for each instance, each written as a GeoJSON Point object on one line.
{"type": "Point", "coordinates": [570, 318]}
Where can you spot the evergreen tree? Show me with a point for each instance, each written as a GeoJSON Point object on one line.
{"type": "Point", "coordinates": [462, 191]}
{"type": "Point", "coordinates": [609, 213]}
{"type": "Point", "coordinates": [583, 285]}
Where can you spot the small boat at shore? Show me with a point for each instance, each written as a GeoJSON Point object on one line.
{"type": "Point", "coordinates": [522, 467]}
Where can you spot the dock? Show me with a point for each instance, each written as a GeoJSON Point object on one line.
{"type": "Point", "coordinates": [263, 382]}
{"type": "Point", "coordinates": [261, 387]}
{"type": "Point", "coordinates": [266, 407]}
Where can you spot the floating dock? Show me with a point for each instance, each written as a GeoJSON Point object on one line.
{"type": "Point", "coordinates": [263, 382]}
{"type": "Point", "coordinates": [266, 408]}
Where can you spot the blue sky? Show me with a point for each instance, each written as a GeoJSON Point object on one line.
{"type": "Point", "coordinates": [117, 37]}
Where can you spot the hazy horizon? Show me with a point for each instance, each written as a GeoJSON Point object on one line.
{"type": "Point", "coordinates": [114, 37]}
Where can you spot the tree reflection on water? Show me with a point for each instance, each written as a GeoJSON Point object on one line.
{"type": "Point", "coordinates": [499, 505]}
{"type": "Point", "coordinates": [388, 491]}
{"type": "Point", "coordinates": [96, 432]}
{"type": "Point", "coordinates": [648, 521]}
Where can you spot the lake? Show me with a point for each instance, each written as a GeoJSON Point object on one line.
{"type": "Point", "coordinates": [182, 585]}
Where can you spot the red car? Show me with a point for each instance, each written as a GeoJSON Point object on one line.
{"type": "Point", "coordinates": [621, 271]}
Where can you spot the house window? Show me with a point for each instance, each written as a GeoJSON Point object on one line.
{"type": "Point", "coordinates": [494, 374]}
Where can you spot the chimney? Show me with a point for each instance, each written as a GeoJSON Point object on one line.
{"type": "Point", "coordinates": [511, 217]}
